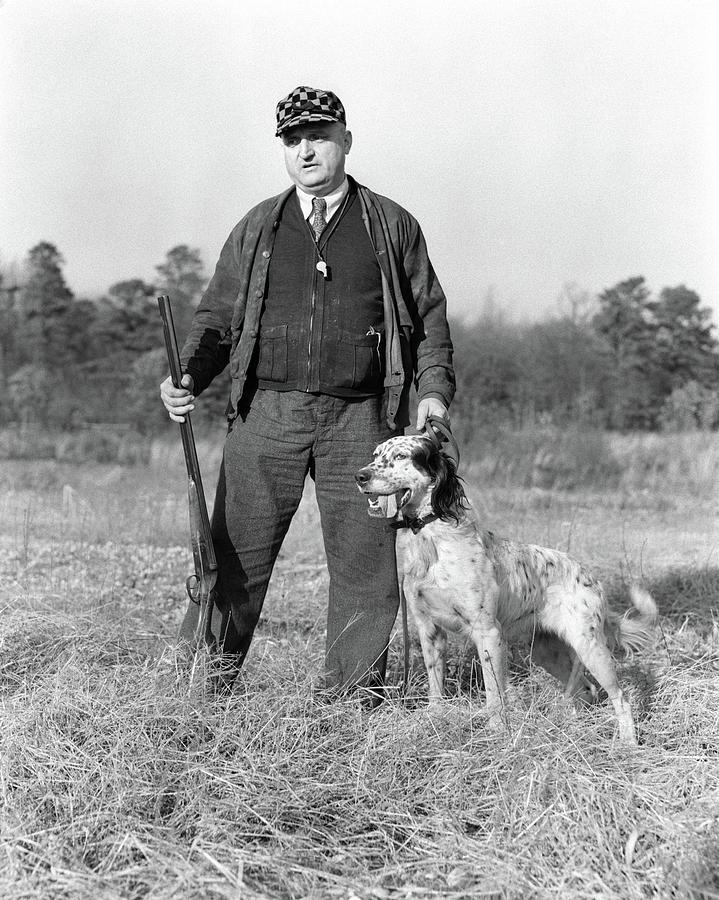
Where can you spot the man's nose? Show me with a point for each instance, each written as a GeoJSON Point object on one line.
{"type": "Point", "coordinates": [363, 476]}
{"type": "Point", "coordinates": [306, 148]}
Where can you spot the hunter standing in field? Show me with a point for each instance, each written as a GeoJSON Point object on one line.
{"type": "Point", "coordinates": [326, 307]}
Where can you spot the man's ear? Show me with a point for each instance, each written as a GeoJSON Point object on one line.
{"type": "Point", "coordinates": [347, 141]}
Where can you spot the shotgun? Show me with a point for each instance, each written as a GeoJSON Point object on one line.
{"type": "Point", "coordinates": [196, 628]}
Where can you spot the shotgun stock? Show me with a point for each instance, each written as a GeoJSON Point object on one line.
{"type": "Point", "coordinates": [197, 627]}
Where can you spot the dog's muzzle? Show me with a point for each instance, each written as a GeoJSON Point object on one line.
{"type": "Point", "coordinates": [384, 506]}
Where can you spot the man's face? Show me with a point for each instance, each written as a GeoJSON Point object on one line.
{"type": "Point", "coordinates": [315, 156]}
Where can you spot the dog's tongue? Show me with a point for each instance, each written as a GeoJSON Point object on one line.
{"type": "Point", "coordinates": [383, 506]}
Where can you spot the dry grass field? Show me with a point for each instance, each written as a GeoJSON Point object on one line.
{"type": "Point", "coordinates": [121, 776]}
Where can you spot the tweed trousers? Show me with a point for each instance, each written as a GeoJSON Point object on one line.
{"type": "Point", "coordinates": [279, 438]}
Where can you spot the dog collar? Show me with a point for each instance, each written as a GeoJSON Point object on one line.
{"type": "Point", "coordinates": [415, 524]}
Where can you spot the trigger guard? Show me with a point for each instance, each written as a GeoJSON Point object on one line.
{"type": "Point", "coordinates": [192, 587]}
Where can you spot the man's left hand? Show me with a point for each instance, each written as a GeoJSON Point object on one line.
{"type": "Point", "coordinates": [431, 407]}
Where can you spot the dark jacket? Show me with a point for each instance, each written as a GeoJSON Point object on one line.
{"type": "Point", "coordinates": [417, 341]}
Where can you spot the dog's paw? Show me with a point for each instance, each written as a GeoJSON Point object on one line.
{"type": "Point", "coordinates": [496, 719]}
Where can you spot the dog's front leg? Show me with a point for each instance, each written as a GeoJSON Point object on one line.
{"type": "Point", "coordinates": [492, 650]}
{"type": "Point", "coordinates": [434, 645]}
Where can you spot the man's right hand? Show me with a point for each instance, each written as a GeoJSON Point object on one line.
{"type": "Point", "coordinates": [178, 401]}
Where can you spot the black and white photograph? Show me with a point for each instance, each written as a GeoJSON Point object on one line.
{"type": "Point", "coordinates": [359, 450]}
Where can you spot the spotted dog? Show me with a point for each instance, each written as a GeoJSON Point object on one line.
{"type": "Point", "coordinates": [457, 577]}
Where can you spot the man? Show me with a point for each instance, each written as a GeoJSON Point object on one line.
{"type": "Point", "coordinates": [326, 306]}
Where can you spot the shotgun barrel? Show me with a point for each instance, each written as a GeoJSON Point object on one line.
{"type": "Point", "coordinates": [201, 584]}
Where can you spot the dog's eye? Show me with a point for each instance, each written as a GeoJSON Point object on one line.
{"type": "Point", "coordinates": [400, 456]}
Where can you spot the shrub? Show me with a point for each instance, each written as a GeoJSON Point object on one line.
{"type": "Point", "coordinates": [689, 407]}
{"type": "Point", "coordinates": [545, 456]}
{"type": "Point", "coordinates": [26, 443]}
{"type": "Point", "coordinates": [100, 444]}
{"type": "Point", "coordinates": [103, 445]}
{"type": "Point", "coordinates": [142, 395]}
{"type": "Point", "coordinates": [575, 458]}
{"type": "Point", "coordinates": [29, 390]}
{"type": "Point", "coordinates": [679, 462]}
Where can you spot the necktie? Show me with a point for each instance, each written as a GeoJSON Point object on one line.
{"type": "Point", "coordinates": [319, 205]}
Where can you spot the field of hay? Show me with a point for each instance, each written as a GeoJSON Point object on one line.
{"type": "Point", "coordinates": [121, 776]}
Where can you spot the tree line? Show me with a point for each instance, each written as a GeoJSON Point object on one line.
{"type": "Point", "coordinates": [624, 360]}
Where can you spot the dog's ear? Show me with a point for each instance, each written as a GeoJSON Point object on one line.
{"type": "Point", "coordinates": [448, 497]}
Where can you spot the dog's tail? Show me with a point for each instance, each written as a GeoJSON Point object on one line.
{"type": "Point", "coordinates": [633, 632]}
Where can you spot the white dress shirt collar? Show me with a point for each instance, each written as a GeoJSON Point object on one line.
{"type": "Point", "coordinates": [334, 200]}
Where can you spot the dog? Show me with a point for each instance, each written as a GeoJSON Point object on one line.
{"type": "Point", "coordinates": [457, 577]}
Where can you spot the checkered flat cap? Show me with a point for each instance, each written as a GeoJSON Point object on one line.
{"type": "Point", "coordinates": [306, 104]}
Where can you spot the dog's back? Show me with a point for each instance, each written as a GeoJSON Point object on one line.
{"type": "Point", "coordinates": [541, 589]}
{"type": "Point", "coordinates": [536, 582]}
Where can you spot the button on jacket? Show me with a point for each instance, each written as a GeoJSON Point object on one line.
{"type": "Point", "coordinates": [417, 342]}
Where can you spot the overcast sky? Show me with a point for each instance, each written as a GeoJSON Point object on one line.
{"type": "Point", "coordinates": [538, 143]}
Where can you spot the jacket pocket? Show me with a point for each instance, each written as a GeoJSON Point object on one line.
{"type": "Point", "coordinates": [360, 360]}
{"type": "Point", "coordinates": [272, 359]}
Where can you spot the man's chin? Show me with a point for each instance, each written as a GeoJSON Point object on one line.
{"type": "Point", "coordinates": [314, 181]}
{"type": "Point", "coordinates": [311, 181]}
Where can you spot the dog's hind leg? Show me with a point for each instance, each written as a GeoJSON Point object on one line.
{"type": "Point", "coordinates": [596, 657]}
{"type": "Point", "coordinates": [556, 657]}
{"type": "Point", "coordinates": [576, 676]}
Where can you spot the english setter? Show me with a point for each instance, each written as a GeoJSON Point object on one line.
{"type": "Point", "coordinates": [457, 577]}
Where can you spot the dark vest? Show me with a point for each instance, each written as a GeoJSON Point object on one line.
{"type": "Point", "coordinates": [323, 335]}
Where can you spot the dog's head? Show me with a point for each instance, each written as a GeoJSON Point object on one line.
{"type": "Point", "coordinates": [410, 475]}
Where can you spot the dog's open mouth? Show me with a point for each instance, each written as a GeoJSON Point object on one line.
{"type": "Point", "coordinates": [387, 505]}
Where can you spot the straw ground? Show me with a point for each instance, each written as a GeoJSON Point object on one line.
{"type": "Point", "coordinates": [121, 776]}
